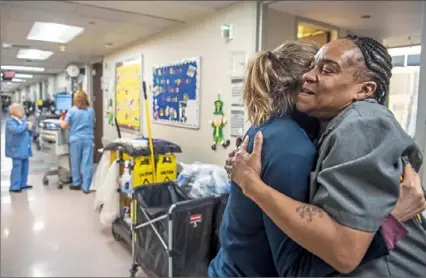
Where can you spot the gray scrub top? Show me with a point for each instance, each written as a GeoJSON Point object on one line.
{"type": "Point", "coordinates": [357, 181]}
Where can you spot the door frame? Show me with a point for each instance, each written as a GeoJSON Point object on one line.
{"type": "Point", "coordinates": [97, 101]}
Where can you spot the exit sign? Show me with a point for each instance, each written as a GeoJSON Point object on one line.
{"type": "Point", "coordinates": [7, 75]}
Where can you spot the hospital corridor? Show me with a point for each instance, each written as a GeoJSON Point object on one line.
{"type": "Point", "coordinates": [46, 232]}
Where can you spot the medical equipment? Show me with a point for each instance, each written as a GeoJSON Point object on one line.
{"type": "Point", "coordinates": [55, 141]}
{"type": "Point", "coordinates": [63, 101]}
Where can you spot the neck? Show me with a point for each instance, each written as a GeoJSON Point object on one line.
{"type": "Point", "coordinates": [323, 126]}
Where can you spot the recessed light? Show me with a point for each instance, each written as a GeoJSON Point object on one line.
{"type": "Point", "coordinates": [34, 54]}
{"type": "Point", "coordinates": [22, 68]}
{"type": "Point", "coordinates": [22, 75]}
{"type": "Point", "coordinates": [7, 45]}
{"type": "Point", "coordinates": [53, 32]}
{"type": "Point", "coordinates": [366, 16]}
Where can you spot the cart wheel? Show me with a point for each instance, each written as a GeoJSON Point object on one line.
{"type": "Point", "coordinates": [133, 270]}
{"type": "Point", "coordinates": [60, 186]}
{"type": "Point", "coordinates": [45, 181]}
{"type": "Point", "coordinates": [115, 236]}
{"type": "Point", "coordinates": [38, 148]}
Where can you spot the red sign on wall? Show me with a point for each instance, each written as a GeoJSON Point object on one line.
{"type": "Point", "coordinates": [7, 75]}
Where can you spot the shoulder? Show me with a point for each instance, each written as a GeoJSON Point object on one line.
{"type": "Point", "coordinates": [368, 116]}
{"type": "Point", "coordinates": [283, 134]}
{"type": "Point", "coordinates": [11, 121]}
{"type": "Point", "coordinates": [73, 109]}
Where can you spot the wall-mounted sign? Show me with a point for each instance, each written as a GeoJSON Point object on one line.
{"type": "Point", "coordinates": [7, 75]}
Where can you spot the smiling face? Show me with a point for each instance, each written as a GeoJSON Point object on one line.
{"type": "Point", "coordinates": [334, 81]}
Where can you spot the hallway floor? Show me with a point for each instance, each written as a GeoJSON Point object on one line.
{"type": "Point", "coordinates": [46, 232]}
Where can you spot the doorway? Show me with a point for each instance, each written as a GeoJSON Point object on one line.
{"type": "Point", "coordinates": [315, 33]}
{"type": "Point", "coordinates": [98, 106]}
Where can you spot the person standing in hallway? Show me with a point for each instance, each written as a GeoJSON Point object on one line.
{"type": "Point", "coordinates": [18, 147]}
{"type": "Point", "coordinates": [81, 119]}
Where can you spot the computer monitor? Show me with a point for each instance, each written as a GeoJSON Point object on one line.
{"type": "Point", "coordinates": [63, 102]}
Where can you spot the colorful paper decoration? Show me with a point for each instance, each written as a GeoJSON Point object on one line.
{"type": "Point", "coordinates": [218, 137]}
{"type": "Point", "coordinates": [218, 125]}
{"type": "Point", "coordinates": [176, 97]}
{"type": "Point", "coordinates": [128, 90]}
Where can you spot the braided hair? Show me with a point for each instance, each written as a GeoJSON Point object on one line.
{"type": "Point", "coordinates": [378, 64]}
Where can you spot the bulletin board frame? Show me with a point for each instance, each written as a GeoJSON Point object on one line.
{"type": "Point", "coordinates": [136, 126]}
{"type": "Point", "coordinates": [194, 102]}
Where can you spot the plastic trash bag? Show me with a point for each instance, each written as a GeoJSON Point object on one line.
{"type": "Point", "coordinates": [107, 196]}
{"type": "Point", "coordinates": [201, 180]}
{"type": "Point", "coordinates": [101, 171]}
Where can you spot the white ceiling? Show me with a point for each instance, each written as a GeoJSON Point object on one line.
{"type": "Point", "coordinates": [118, 22]}
{"type": "Point", "coordinates": [389, 19]}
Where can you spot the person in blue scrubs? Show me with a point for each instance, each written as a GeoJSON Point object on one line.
{"type": "Point", "coordinates": [18, 147]}
{"type": "Point", "coordinates": [81, 120]}
{"type": "Point", "coordinates": [251, 244]}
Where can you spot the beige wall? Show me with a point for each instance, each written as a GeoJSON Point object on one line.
{"type": "Point", "coordinates": [279, 28]}
{"type": "Point", "coordinates": [203, 39]}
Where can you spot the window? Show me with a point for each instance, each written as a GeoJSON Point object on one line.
{"type": "Point", "coordinates": [413, 60]}
{"type": "Point", "coordinates": [398, 61]}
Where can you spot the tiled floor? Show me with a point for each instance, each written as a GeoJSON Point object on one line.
{"type": "Point", "coordinates": [46, 232]}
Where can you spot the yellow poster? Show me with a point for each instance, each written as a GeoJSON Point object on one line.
{"type": "Point", "coordinates": [127, 93]}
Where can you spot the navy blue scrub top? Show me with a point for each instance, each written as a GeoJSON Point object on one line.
{"type": "Point", "coordinates": [252, 245]}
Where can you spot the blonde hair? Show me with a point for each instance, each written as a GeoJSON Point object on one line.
{"type": "Point", "coordinates": [273, 79]}
{"type": "Point", "coordinates": [81, 100]}
{"type": "Point", "coordinates": [13, 107]}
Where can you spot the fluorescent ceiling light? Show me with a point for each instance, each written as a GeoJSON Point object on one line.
{"type": "Point", "coordinates": [17, 80]}
{"type": "Point", "coordinates": [22, 68]}
{"type": "Point", "coordinates": [53, 32]}
{"type": "Point", "coordinates": [7, 45]}
{"type": "Point", "coordinates": [34, 54]}
{"type": "Point", "coordinates": [22, 75]}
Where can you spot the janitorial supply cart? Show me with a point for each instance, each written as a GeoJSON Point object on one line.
{"type": "Point", "coordinates": [169, 233]}
{"type": "Point", "coordinates": [172, 233]}
{"type": "Point", "coordinates": [139, 168]}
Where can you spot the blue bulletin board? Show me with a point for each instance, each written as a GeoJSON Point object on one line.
{"type": "Point", "coordinates": [175, 90]}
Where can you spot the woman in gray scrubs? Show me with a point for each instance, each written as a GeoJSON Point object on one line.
{"type": "Point", "coordinates": [356, 181]}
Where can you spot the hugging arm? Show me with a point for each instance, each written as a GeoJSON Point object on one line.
{"type": "Point", "coordinates": [287, 169]}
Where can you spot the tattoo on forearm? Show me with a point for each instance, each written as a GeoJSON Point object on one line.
{"type": "Point", "coordinates": [308, 212]}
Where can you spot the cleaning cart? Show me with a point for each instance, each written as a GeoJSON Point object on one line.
{"type": "Point", "coordinates": [170, 234]}
{"type": "Point", "coordinates": [137, 168]}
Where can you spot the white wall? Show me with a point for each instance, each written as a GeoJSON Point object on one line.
{"type": "Point", "coordinates": [202, 39]}
{"type": "Point", "coordinates": [62, 81]}
{"type": "Point", "coordinates": [51, 87]}
{"type": "Point", "coordinates": [34, 92]}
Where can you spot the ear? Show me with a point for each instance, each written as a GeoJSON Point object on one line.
{"type": "Point", "coordinates": [367, 90]}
